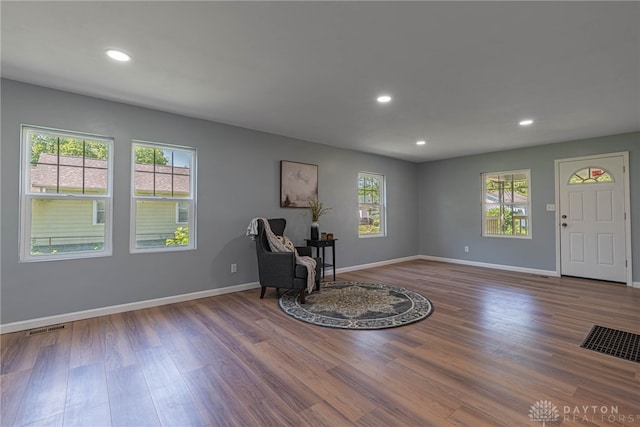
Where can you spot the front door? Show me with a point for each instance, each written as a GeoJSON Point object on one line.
{"type": "Point", "coordinates": [592, 218]}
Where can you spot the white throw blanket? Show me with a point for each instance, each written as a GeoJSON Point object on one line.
{"type": "Point", "coordinates": [252, 228]}
{"type": "Point", "coordinates": [283, 244]}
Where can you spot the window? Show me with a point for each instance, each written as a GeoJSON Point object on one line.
{"type": "Point", "coordinates": [98, 212]}
{"type": "Point", "coordinates": [590, 176]}
{"type": "Point", "coordinates": [65, 195]}
{"type": "Point", "coordinates": [506, 204]}
{"type": "Point", "coordinates": [182, 213]}
{"type": "Point", "coordinates": [163, 197]}
{"type": "Point", "coordinates": [371, 205]}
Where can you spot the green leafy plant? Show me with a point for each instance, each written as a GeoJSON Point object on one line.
{"type": "Point", "coordinates": [39, 250]}
{"type": "Point", "coordinates": [43, 143]}
{"type": "Point", "coordinates": [317, 209]}
{"type": "Point", "coordinates": [145, 155]}
{"type": "Point", "coordinates": [180, 237]}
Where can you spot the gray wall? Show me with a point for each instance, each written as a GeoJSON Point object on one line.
{"type": "Point", "coordinates": [238, 179]}
{"type": "Point", "coordinates": [450, 202]}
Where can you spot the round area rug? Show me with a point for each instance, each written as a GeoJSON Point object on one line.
{"type": "Point", "coordinates": [357, 305]}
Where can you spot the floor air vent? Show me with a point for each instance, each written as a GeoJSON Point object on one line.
{"type": "Point", "coordinates": [45, 330]}
{"type": "Point", "coordinates": [613, 342]}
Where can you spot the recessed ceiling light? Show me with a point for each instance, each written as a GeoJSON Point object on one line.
{"type": "Point", "coordinates": [383, 99]}
{"type": "Point", "coordinates": [421, 142]}
{"type": "Point", "coordinates": [526, 122]}
{"type": "Point", "coordinates": [118, 55]}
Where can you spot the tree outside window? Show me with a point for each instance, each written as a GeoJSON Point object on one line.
{"type": "Point", "coordinates": [66, 195]}
{"type": "Point", "coordinates": [371, 205]}
{"type": "Point", "coordinates": [506, 204]}
{"type": "Point", "coordinates": [163, 197]}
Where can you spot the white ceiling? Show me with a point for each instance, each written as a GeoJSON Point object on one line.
{"type": "Point", "coordinates": [462, 74]}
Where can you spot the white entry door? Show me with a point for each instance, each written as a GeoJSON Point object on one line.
{"type": "Point", "coordinates": [592, 218]}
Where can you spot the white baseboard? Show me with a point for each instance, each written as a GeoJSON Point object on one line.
{"type": "Point", "coordinates": [104, 311]}
{"type": "Point", "coordinates": [370, 265]}
{"type": "Point", "coordinates": [447, 260]}
{"type": "Point", "coordinates": [488, 265]}
{"type": "Point", "coordinates": [500, 267]}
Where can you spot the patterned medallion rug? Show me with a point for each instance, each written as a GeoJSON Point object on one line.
{"type": "Point", "coordinates": [357, 305]}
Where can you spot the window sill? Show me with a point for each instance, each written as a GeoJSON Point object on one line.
{"type": "Point", "coordinates": [507, 236]}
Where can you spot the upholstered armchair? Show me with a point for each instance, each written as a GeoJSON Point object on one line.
{"type": "Point", "coordinates": [279, 269]}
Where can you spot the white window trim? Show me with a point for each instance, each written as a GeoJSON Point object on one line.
{"type": "Point", "coordinates": [529, 205]}
{"type": "Point", "coordinates": [382, 205]}
{"type": "Point", "coordinates": [192, 201]}
{"type": "Point", "coordinates": [27, 196]}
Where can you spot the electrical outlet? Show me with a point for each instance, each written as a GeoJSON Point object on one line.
{"type": "Point", "coordinates": [466, 248]}
{"type": "Point", "coordinates": [234, 268]}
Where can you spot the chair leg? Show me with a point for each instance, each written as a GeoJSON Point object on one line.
{"type": "Point", "coordinates": [264, 288]}
{"type": "Point", "coordinates": [301, 296]}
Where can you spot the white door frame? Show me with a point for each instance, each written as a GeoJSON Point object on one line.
{"type": "Point", "coordinates": [627, 207]}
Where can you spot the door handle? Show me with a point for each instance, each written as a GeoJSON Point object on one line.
{"type": "Point", "coordinates": [564, 217]}
{"type": "Point", "coordinates": [564, 224]}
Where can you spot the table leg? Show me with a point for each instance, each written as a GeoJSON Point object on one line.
{"type": "Point", "coordinates": [321, 262]}
{"type": "Point", "coordinates": [333, 252]}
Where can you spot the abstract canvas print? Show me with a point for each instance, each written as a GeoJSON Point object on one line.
{"type": "Point", "coordinates": [298, 184]}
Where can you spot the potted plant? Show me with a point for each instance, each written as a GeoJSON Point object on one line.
{"type": "Point", "coordinates": [317, 209]}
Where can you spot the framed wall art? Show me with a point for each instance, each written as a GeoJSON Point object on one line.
{"type": "Point", "coordinates": [298, 184]}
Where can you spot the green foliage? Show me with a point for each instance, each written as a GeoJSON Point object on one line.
{"type": "Point", "coordinates": [369, 199]}
{"type": "Point", "coordinates": [371, 224]}
{"type": "Point", "coordinates": [40, 250]}
{"type": "Point", "coordinates": [44, 143]}
{"type": "Point", "coordinates": [509, 195]}
{"type": "Point", "coordinates": [373, 228]}
{"type": "Point", "coordinates": [180, 237]}
{"type": "Point", "coordinates": [508, 187]}
{"type": "Point", "coordinates": [150, 156]}
{"type": "Point", "coordinates": [368, 190]}
{"type": "Point", "coordinates": [501, 221]}
{"type": "Point", "coordinates": [51, 144]}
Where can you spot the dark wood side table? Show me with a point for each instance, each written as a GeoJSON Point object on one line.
{"type": "Point", "coordinates": [323, 244]}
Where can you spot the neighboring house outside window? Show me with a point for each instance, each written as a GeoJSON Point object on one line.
{"type": "Point", "coordinates": [371, 205]}
{"type": "Point", "coordinates": [65, 176]}
{"type": "Point", "coordinates": [163, 197]}
{"type": "Point", "coordinates": [98, 212]}
{"type": "Point", "coordinates": [506, 204]}
{"type": "Point", "coordinates": [182, 213]}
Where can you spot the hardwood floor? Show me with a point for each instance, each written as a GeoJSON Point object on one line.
{"type": "Point", "coordinates": [497, 344]}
